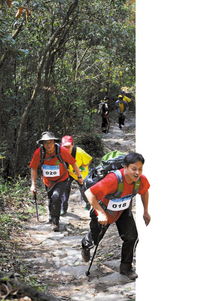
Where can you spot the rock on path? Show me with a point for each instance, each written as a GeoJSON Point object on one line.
{"type": "Point", "coordinates": [55, 257]}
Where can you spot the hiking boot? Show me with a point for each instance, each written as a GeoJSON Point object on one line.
{"type": "Point", "coordinates": [126, 269]}
{"type": "Point", "coordinates": [63, 212]}
{"type": "Point", "coordinates": [129, 273]}
{"type": "Point", "coordinates": [55, 222]}
{"type": "Point", "coordinates": [50, 220]}
{"type": "Point", "coordinates": [85, 254]}
{"type": "Point", "coordinates": [56, 228]}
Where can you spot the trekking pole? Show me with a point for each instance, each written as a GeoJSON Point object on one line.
{"type": "Point", "coordinates": [36, 205]}
{"type": "Point", "coordinates": [100, 236]}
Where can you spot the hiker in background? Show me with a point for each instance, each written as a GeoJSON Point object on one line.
{"type": "Point", "coordinates": [51, 158]}
{"type": "Point", "coordinates": [104, 111]}
{"type": "Point", "coordinates": [111, 203]}
{"type": "Point", "coordinates": [83, 161]}
{"type": "Point", "coordinates": [125, 96]}
{"type": "Point", "coordinates": [122, 108]}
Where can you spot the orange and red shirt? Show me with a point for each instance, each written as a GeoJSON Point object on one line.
{"type": "Point", "coordinates": [53, 170]}
{"type": "Point", "coordinates": [109, 185]}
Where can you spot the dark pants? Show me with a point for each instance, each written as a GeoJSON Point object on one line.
{"type": "Point", "coordinates": [121, 119]}
{"type": "Point", "coordinates": [127, 231]}
{"type": "Point", "coordinates": [65, 197]}
{"type": "Point", "coordinates": [105, 124]}
{"type": "Point", "coordinates": [55, 196]}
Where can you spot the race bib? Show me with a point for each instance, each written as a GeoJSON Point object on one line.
{"type": "Point", "coordinates": [119, 204]}
{"type": "Point", "coordinates": [51, 170]}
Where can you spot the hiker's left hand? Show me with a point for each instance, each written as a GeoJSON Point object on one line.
{"type": "Point", "coordinates": [146, 218]}
{"type": "Point", "coordinates": [80, 181]}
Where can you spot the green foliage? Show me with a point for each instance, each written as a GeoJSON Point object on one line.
{"type": "Point", "coordinates": [15, 187]}
{"type": "Point", "coordinates": [16, 206]}
{"type": "Point", "coordinates": [93, 55]}
{"type": "Point", "coordinates": [91, 144]}
{"type": "Point", "coordinates": [7, 225]}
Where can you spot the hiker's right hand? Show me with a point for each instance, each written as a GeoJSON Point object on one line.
{"type": "Point", "coordinates": [102, 218]}
{"type": "Point", "coordinates": [33, 188]}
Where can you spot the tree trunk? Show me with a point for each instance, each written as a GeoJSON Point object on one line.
{"type": "Point", "coordinates": [56, 35]}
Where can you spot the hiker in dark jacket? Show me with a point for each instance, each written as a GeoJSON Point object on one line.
{"type": "Point", "coordinates": [108, 209]}
{"type": "Point", "coordinates": [54, 173]}
{"type": "Point", "coordinates": [104, 111]}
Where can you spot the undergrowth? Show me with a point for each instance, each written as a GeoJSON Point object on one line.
{"type": "Point", "coordinates": [16, 207]}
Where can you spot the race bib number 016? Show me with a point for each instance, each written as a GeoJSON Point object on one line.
{"type": "Point", "coordinates": [119, 204]}
{"type": "Point", "coordinates": [51, 170]}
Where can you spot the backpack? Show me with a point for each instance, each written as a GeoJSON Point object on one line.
{"type": "Point", "coordinates": [121, 106]}
{"type": "Point", "coordinates": [104, 108]}
{"type": "Point", "coordinates": [111, 162]}
{"type": "Point", "coordinates": [112, 155]}
{"type": "Point", "coordinates": [57, 154]}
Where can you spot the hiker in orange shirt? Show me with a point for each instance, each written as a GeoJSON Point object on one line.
{"type": "Point", "coordinates": [51, 158]}
{"type": "Point", "coordinates": [111, 203]}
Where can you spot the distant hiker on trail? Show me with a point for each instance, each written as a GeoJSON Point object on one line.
{"type": "Point", "coordinates": [122, 108]}
{"type": "Point", "coordinates": [104, 111]}
{"type": "Point", "coordinates": [108, 209]}
{"type": "Point", "coordinates": [51, 158]}
{"type": "Point", "coordinates": [125, 96]}
{"type": "Point", "coordinates": [82, 161]}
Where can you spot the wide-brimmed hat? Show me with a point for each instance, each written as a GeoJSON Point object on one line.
{"type": "Point", "coordinates": [67, 141]}
{"type": "Point", "coordinates": [47, 136]}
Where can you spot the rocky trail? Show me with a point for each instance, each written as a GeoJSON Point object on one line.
{"type": "Point", "coordinates": [55, 257]}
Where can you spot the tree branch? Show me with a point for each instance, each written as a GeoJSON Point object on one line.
{"type": "Point", "coordinates": [41, 64]}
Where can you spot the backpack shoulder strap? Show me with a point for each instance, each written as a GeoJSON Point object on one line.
{"type": "Point", "coordinates": [42, 154]}
{"type": "Point", "coordinates": [58, 155]}
{"type": "Point", "coordinates": [74, 150]}
{"type": "Point", "coordinates": [120, 183]}
{"type": "Point", "coordinates": [120, 188]}
{"type": "Point", "coordinates": [136, 186]}
{"type": "Point", "coordinates": [57, 149]}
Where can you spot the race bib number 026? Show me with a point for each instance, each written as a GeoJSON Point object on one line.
{"type": "Point", "coordinates": [51, 170]}
{"type": "Point", "coordinates": [119, 204]}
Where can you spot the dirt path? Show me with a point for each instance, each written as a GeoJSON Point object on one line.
{"type": "Point", "coordinates": [55, 257]}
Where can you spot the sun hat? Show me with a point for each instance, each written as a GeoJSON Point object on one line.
{"type": "Point", "coordinates": [47, 136]}
{"type": "Point", "coordinates": [67, 141]}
